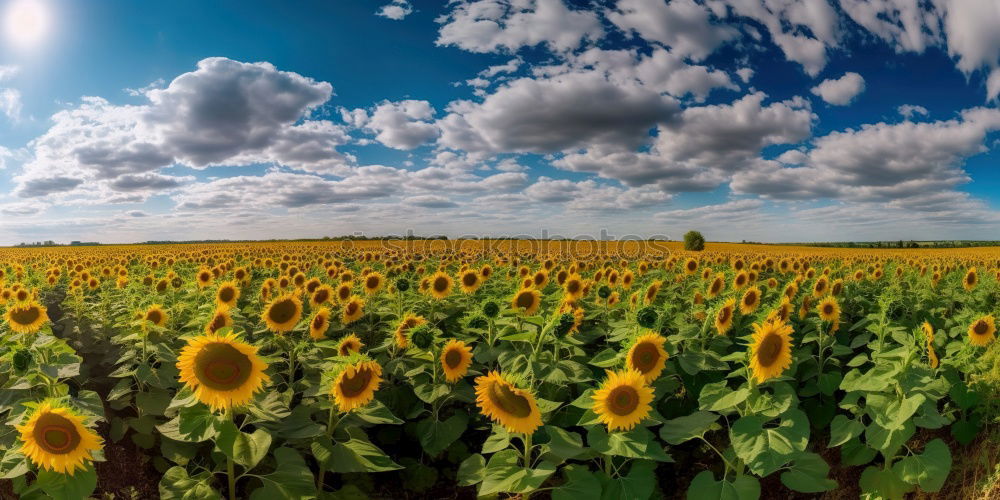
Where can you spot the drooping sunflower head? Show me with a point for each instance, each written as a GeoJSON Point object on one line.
{"type": "Point", "coordinates": [348, 345]}
{"type": "Point", "coordinates": [771, 350]}
{"type": "Point", "coordinates": [221, 319]}
{"type": "Point", "coordinates": [750, 300]}
{"type": "Point", "coordinates": [456, 358]}
{"type": "Point", "coordinates": [724, 316]}
{"type": "Point", "coordinates": [527, 301]}
{"type": "Point", "coordinates": [408, 322]}
{"type": "Point", "coordinates": [353, 310]}
{"type": "Point", "coordinates": [223, 371]}
{"type": "Point", "coordinates": [283, 313]}
{"type": "Point", "coordinates": [623, 400]}
{"type": "Point", "coordinates": [506, 404]}
{"type": "Point", "coordinates": [829, 309]}
{"type": "Point", "coordinates": [440, 285]}
{"type": "Point", "coordinates": [319, 324]}
{"type": "Point", "coordinates": [647, 356]}
{"type": "Point", "coordinates": [982, 331]}
{"type": "Point", "coordinates": [55, 438]}
{"type": "Point", "coordinates": [355, 385]}
{"type": "Point", "coordinates": [227, 294]}
{"type": "Point", "coordinates": [26, 317]}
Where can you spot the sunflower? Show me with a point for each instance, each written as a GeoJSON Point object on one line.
{"type": "Point", "coordinates": [718, 284]}
{"type": "Point", "coordinates": [409, 322]}
{"type": "Point", "coordinates": [623, 400]}
{"type": "Point", "coordinates": [928, 331]}
{"type": "Point", "coordinates": [750, 300]}
{"type": "Point", "coordinates": [344, 291]}
{"type": "Point", "coordinates": [647, 357]}
{"type": "Point", "coordinates": [440, 285]}
{"type": "Point", "coordinates": [651, 291]}
{"type": "Point", "coordinates": [982, 331]}
{"type": "Point", "coordinates": [456, 357]}
{"type": "Point", "coordinates": [204, 278]}
{"type": "Point", "coordinates": [321, 295]}
{"type": "Point", "coordinates": [771, 351]}
{"type": "Point", "coordinates": [54, 438]}
{"type": "Point", "coordinates": [527, 300]}
{"type": "Point", "coordinates": [356, 384]}
{"type": "Point", "coordinates": [573, 286]}
{"type": "Point", "coordinates": [690, 266]}
{"type": "Point", "coordinates": [283, 313]}
{"type": "Point", "coordinates": [506, 404]}
{"type": "Point", "coordinates": [227, 294]}
{"type": "Point", "coordinates": [26, 317]}
{"type": "Point", "coordinates": [319, 323]}
{"type": "Point", "coordinates": [932, 357]}
{"type": "Point", "coordinates": [221, 319]}
{"type": "Point", "coordinates": [353, 310]}
{"type": "Point", "coordinates": [222, 370]}
{"type": "Point", "coordinates": [741, 280]}
{"type": "Point", "coordinates": [349, 344]}
{"type": "Point", "coordinates": [469, 281]}
{"type": "Point", "coordinates": [374, 282]}
{"type": "Point", "coordinates": [724, 317]}
{"type": "Point", "coordinates": [829, 309]}
{"type": "Point", "coordinates": [970, 280]}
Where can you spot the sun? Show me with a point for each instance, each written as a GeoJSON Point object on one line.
{"type": "Point", "coordinates": [26, 22]}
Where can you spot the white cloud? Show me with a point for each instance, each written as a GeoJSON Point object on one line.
{"type": "Point", "coordinates": [972, 32]}
{"type": "Point", "coordinates": [803, 30]}
{"type": "Point", "coordinates": [508, 25]}
{"type": "Point", "coordinates": [682, 25]}
{"type": "Point", "coordinates": [993, 85]}
{"type": "Point", "coordinates": [396, 10]}
{"type": "Point", "coordinates": [401, 125]}
{"type": "Point", "coordinates": [574, 110]}
{"type": "Point", "coordinates": [908, 111]}
{"type": "Point", "coordinates": [840, 91]}
{"type": "Point", "coordinates": [10, 103]}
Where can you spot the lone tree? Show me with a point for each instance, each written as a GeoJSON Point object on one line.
{"type": "Point", "coordinates": [694, 241]}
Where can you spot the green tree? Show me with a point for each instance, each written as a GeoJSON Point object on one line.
{"type": "Point", "coordinates": [694, 241]}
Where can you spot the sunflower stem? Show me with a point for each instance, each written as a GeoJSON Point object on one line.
{"type": "Point", "coordinates": [230, 466]}
{"type": "Point", "coordinates": [330, 426]}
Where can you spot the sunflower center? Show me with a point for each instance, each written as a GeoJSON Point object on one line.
{"type": "Point", "coordinates": [453, 358]}
{"type": "Point", "coordinates": [525, 300]}
{"type": "Point", "coordinates": [469, 279]}
{"type": "Point", "coordinates": [227, 294]}
{"type": "Point", "coordinates": [573, 286]}
{"type": "Point", "coordinates": [321, 296]}
{"type": "Point", "coordinates": [352, 308]}
{"type": "Point", "coordinates": [645, 357]}
{"type": "Point", "coordinates": [56, 434]}
{"type": "Point", "coordinates": [25, 316]}
{"type": "Point", "coordinates": [828, 309]}
{"type": "Point", "coordinates": [318, 322]}
{"type": "Point", "coordinates": [502, 397]}
{"type": "Point", "coordinates": [623, 400]}
{"type": "Point", "coordinates": [724, 315]}
{"type": "Point", "coordinates": [347, 347]}
{"type": "Point", "coordinates": [440, 284]}
{"type": "Point", "coordinates": [750, 299]}
{"type": "Point", "coordinates": [981, 328]}
{"type": "Point", "coordinates": [222, 367]}
{"type": "Point", "coordinates": [344, 292]}
{"type": "Point", "coordinates": [154, 316]}
{"type": "Point", "coordinates": [354, 385]}
{"type": "Point", "coordinates": [769, 349]}
{"type": "Point", "coordinates": [218, 322]}
{"type": "Point", "coordinates": [372, 282]}
{"type": "Point", "coordinates": [282, 311]}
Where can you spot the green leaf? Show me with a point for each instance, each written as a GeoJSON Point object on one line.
{"type": "Point", "coordinates": [504, 473]}
{"type": "Point", "coordinates": [888, 441]}
{"type": "Point", "coordinates": [563, 444]}
{"type": "Point", "coordinates": [498, 440]}
{"type": "Point", "coordinates": [843, 429]}
{"type": "Point", "coordinates": [193, 424]}
{"type": "Point", "coordinates": [354, 455]}
{"type": "Point", "coordinates": [177, 485]}
{"type": "Point", "coordinates": [245, 449]}
{"type": "Point", "coordinates": [685, 428]}
{"type": "Point", "coordinates": [605, 359]}
{"type": "Point", "coordinates": [154, 402]}
{"type": "Point", "coordinates": [765, 449]}
{"type": "Point", "coordinates": [928, 469]}
{"type": "Point", "coordinates": [376, 413]}
{"type": "Point", "coordinates": [436, 436]}
{"type": "Point", "coordinates": [883, 484]}
{"type": "Point", "coordinates": [854, 452]}
{"type": "Point", "coordinates": [719, 397]}
{"type": "Point", "coordinates": [638, 484]}
{"type": "Point", "coordinates": [637, 443]}
{"type": "Point", "coordinates": [291, 480]}
{"type": "Point", "coordinates": [472, 470]}
{"type": "Point", "coordinates": [962, 396]}
{"type": "Point", "coordinates": [581, 484]}
{"type": "Point", "coordinates": [14, 464]}
{"type": "Point", "coordinates": [705, 487]}
{"type": "Point", "coordinates": [808, 474]}
{"type": "Point", "coordinates": [61, 486]}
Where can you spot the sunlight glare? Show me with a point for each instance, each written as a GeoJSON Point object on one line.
{"type": "Point", "coordinates": [26, 22]}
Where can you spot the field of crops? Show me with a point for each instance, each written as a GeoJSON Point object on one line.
{"type": "Point", "coordinates": [455, 369]}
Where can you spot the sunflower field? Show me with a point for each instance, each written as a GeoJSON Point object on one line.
{"type": "Point", "coordinates": [629, 370]}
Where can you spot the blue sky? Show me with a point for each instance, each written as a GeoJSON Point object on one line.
{"type": "Point", "coordinates": [125, 121]}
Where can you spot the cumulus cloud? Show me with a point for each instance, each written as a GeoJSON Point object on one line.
{"type": "Point", "coordinates": [908, 111]}
{"type": "Point", "coordinates": [573, 110]}
{"type": "Point", "coordinates": [803, 30]}
{"type": "Point", "coordinates": [840, 91]}
{"type": "Point", "coordinates": [508, 25]}
{"type": "Point", "coordinates": [682, 25]}
{"type": "Point", "coordinates": [401, 125]}
{"type": "Point", "coordinates": [396, 10]}
{"type": "Point", "coordinates": [224, 113]}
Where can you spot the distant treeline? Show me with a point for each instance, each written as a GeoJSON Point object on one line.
{"type": "Point", "coordinates": [903, 244]}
